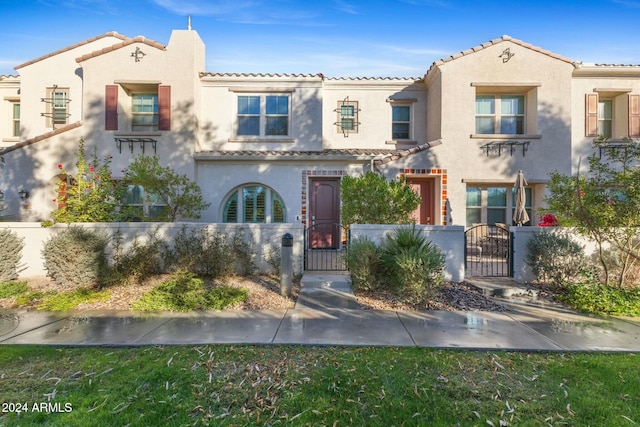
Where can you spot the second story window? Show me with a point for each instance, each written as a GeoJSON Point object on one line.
{"type": "Point", "coordinates": [263, 115]}
{"type": "Point", "coordinates": [16, 119]}
{"type": "Point", "coordinates": [144, 112]}
{"type": "Point", "coordinates": [401, 122]}
{"type": "Point", "coordinates": [57, 109]}
{"type": "Point", "coordinates": [500, 114]}
{"type": "Point", "coordinates": [605, 118]}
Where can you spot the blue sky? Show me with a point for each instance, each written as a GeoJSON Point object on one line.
{"type": "Point", "coordinates": [339, 38]}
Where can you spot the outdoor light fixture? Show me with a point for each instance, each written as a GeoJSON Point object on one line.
{"type": "Point", "coordinates": [1, 195]}
{"type": "Point", "coordinates": [24, 194]}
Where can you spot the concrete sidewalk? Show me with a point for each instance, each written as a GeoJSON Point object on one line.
{"type": "Point", "coordinates": [524, 327]}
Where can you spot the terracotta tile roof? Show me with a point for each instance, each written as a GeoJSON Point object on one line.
{"type": "Point", "coordinates": [497, 41]}
{"type": "Point", "coordinates": [243, 75]}
{"type": "Point", "coordinates": [373, 78]}
{"type": "Point", "coordinates": [49, 55]}
{"type": "Point", "coordinates": [40, 138]}
{"type": "Point", "coordinates": [125, 42]}
{"type": "Point", "coordinates": [380, 156]}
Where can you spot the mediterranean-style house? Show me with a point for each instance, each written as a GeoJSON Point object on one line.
{"type": "Point", "coordinates": [273, 148]}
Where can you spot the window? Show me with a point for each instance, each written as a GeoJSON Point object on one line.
{"type": "Point", "coordinates": [500, 114]}
{"type": "Point", "coordinates": [605, 118]}
{"type": "Point", "coordinates": [253, 204]}
{"type": "Point", "coordinates": [57, 111]}
{"type": "Point", "coordinates": [491, 205]}
{"type": "Point", "coordinates": [263, 115]}
{"type": "Point", "coordinates": [401, 122]}
{"type": "Point", "coordinates": [347, 117]}
{"type": "Point", "coordinates": [16, 119]}
{"type": "Point", "coordinates": [150, 106]}
{"type": "Point", "coordinates": [137, 204]}
{"type": "Point", "coordinates": [612, 113]}
{"type": "Point", "coordinates": [144, 112]}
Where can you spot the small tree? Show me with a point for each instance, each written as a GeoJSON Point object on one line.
{"type": "Point", "coordinates": [371, 199]}
{"type": "Point", "coordinates": [605, 203]}
{"type": "Point", "coordinates": [89, 196]}
{"type": "Point", "coordinates": [182, 196]}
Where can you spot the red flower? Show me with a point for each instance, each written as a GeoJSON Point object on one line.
{"type": "Point", "coordinates": [548, 220]}
{"type": "Point", "coordinates": [59, 165]}
{"type": "Point", "coordinates": [91, 168]}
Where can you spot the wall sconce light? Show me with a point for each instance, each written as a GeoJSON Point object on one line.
{"type": "Point", "coordinates": [24, 194]}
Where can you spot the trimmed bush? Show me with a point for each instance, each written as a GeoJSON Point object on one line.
{"type": "Point", "coordinates": [363, 259]}
{"type": "Point", "coordinates": [11, 246]}
{"type": "Point", "coordinates": [142, 260]}
{"type": "Point", "coordinates": [76, 257]}
{"type": "Point", "coordinates": [554, 258]}
{"type": "Point", "coordinates": [592, 297]}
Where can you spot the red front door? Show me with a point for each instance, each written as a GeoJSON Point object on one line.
{"type": "Point", "coordinates": [424, 214]}
{"type": "Point", "coordinates": [324, 213]}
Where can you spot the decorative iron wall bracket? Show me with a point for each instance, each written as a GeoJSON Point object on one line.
{"type": "Point", "coordinates": [132, 141]}
{"type": "Point", "coordinates": [614, 145]}
{"type": "Point", "coordinates": [505, 146]}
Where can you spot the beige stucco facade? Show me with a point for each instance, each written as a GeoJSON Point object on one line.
{"type": "Point", "coordinates": [215, 128]}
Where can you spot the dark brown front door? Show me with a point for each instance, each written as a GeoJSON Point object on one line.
{"type": "Point", "coordinates": [424, 214]}
{"type": "Point", "coordinates": [324, 213]}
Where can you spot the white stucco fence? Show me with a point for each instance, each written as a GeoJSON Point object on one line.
{"type": "Point", "coordinates": [262, 235]}
{"type": "Point", "coordinates": [450, 240]}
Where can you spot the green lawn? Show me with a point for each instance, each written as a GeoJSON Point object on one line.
{"type": "Point", "coordinates": [315, 386]}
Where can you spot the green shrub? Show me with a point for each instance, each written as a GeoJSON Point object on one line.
{"type": "Point", "coordinates": [69, 300]}
{"type": "Point", "coordinates": [224, 296]}
{"type": "Point", "coordinates": [185, 292]}
{"type": "Point", "coordinates": [31, 298]}
{"type": "Point", "coordinates": [76, 257]}
{"type": "Point", "coordinates": [555, 257]}
{"type": "Point", "coordinates": [413, 265]}
{"type": "Point", "coordinates": [143, 259]}
{"type": "Point", "coordinates": [363, 259]}
{"type": "Point", "coordinates": [12, 289]}
{"type": "Point", "coordinates": [593, 297]}
{"type": "Point", "coordinates": [213, 255]}
{"type": "Point", "coordinates": [12, 246]}
{"type": "Point", "coordinates": [273, 257]}
{"type": "Point", "coordinates": [244, 252]}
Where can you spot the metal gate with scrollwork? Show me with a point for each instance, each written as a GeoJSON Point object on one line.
{"type": "Point", "coordinates": [325, 247]}
{"type": "Point", "coordinates": [488, 251]}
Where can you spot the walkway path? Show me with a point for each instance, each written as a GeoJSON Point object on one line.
{"type": "Point", "coordinates": [526, 326]}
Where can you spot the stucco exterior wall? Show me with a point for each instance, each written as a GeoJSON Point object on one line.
{"type": "Point", "coordinates": [374, 98]}
{"type": "Point", "coordinates": [262, 236]}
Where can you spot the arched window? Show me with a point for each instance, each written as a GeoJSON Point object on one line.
{"type": "Point", "coordinates": [254, 203]}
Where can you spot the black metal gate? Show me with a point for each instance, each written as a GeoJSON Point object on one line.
{"type": "Point", "coordinates": [325, 247]}
{"type": "Point", "coordinates": [488, 251]}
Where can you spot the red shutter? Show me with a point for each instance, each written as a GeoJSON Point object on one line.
{"type": "Point", "coordinates": [111, 107]}
{"type": "Point", "coordinates": [591, 115]}
{"type": "Point", "coordinates": [634, 116]}
{"type": "Point", "coordinates": [164, 107]}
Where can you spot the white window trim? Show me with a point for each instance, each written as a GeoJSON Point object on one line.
{"type": "Point", "coordinates": [262, 137]}
{"type": "Point", "coordinates": [399, 103]}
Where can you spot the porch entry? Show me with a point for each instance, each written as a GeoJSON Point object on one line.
{"type": "Point", "coordinates": [488, 251]}
{"type": "Point", "coordinates": [325, 238]}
